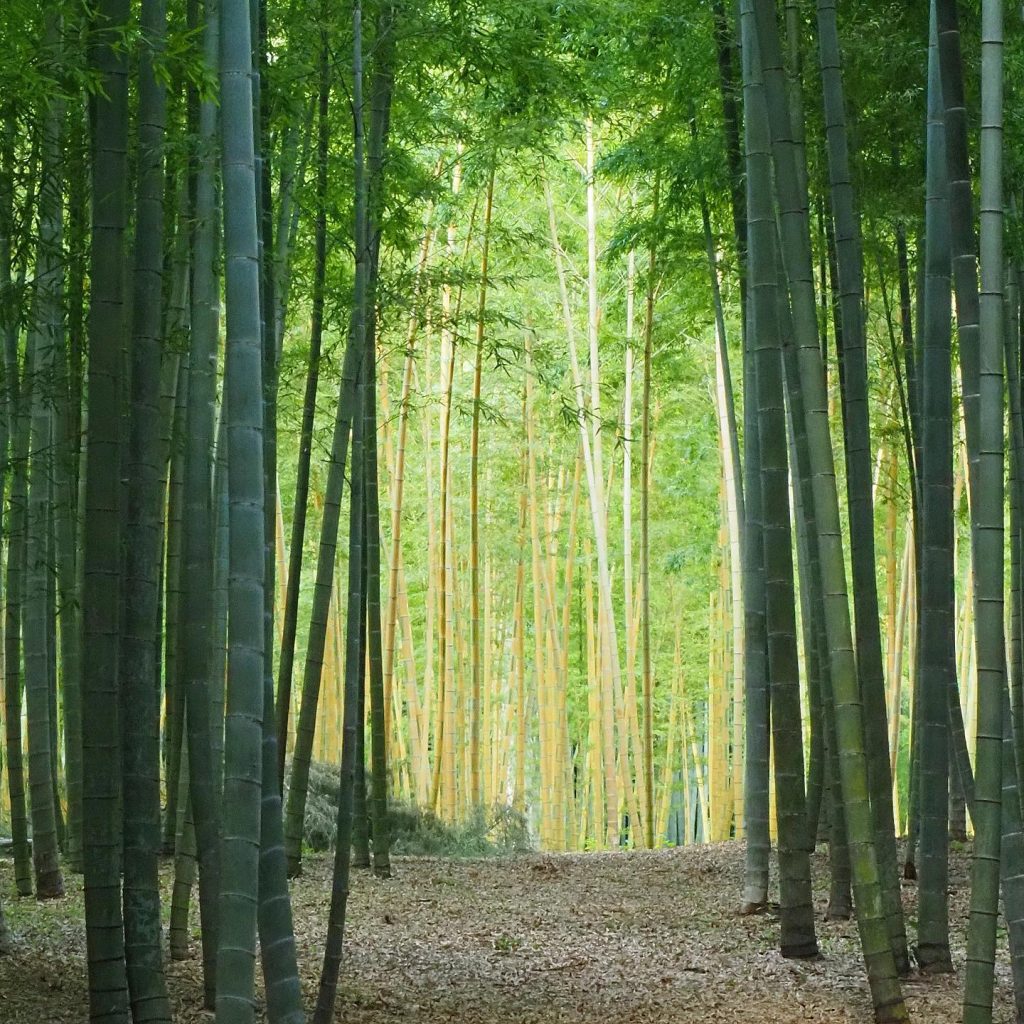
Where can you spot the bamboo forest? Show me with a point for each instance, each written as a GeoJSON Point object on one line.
{"type": "Point", "coordinates": [511, 513]}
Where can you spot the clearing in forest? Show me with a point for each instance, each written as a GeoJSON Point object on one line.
{"type": "Point", "coordinates": [612, 938]}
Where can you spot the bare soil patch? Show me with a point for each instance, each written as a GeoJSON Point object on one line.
{"type": "Point", "coordinates": [618, 938]}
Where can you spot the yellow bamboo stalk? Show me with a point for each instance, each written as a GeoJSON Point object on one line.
{"type": "Point", "coordinates": [896, 652]}
{"type": "Point", "coordinates": [429, 727]}
{"type": "Point", "coordinates": [443, 796]}
{"type": "Point", "coordinates": [629, 602]}
{"type": "Point", "coordinates": [912, 655]}
{"type": "Point", "coordinates": [475, 791]}
{"type": "Point", "coordinates": [446, 796]}
{"type": "Point", "coordinates": [325, 707]}
{"type": "Point", "coordinates": [969, 674]}
{"type": "Point", "coordinates": [485, 739]}
{"type": "Point", "coordinates": [891, 574]}
{"type": "Point", "coordinates": [454, 788]}
{"type": "Point", "coordinates": [397, 473]}
{"type": "Point", "coordinates": [548, 767]}
{"type": "Point", "coordinates": [519, 789]}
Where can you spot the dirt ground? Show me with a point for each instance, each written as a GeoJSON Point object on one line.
{"type": "Point", "coordinates": [623, 938]}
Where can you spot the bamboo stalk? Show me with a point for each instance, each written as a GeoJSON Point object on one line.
{"type": "Point", "coordinates": [396, 577]}
{"type": "Point", "coordinates": [897, 657]}
{"type": "Point", "coordinates": [609, 661]}
{"type": "Point", "coordinates": [595, 730]}
{"type": "Point", "coordinates": [474, 503]}
{"type": "Point", "coordinates": [519, 790]}
{"type": "Point", "coordinates": [668, 770]}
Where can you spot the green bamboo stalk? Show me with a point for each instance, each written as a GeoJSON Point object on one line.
{"type": "Point", "coordinates": [176, 713]}
{"type": "Point", "coordinates": [14, 429]}
{"type": "Point", "coordinates": [840, 902]}
{"type": "Point", "coordinates": [963, 240]}
{"type": "Point", "coordinates": [355, 652]}
{"type": "Point", "coordinates": [67, 449]}
{"type": "Point", "coordinates": [274, 917]}
{"type": "Point", "coordinates": [35, 627]}
{"type": "Point", "coordinates": [1015, 415]}
{"type": "Point", "coordinates": [200, 689]}
{"type": "Point", "coordinates": [143, 541]}
{"type": "Point", "coordinates": [101, 539]}
{"type": "Point", "coordinates": [857, 437]}
{"type": "Point", "coordinates": [375, 660]}
{"type": "Point", "coordinates": [881, 966]}
{"type": "Point", "coordinates": [755, 790]}
{"type": "Point", "coordinates": [797, 912]}
{"type": "Point", "coordinates": [988, 531]}
{"type": "Point", "coordinates": [298, 530]}
{"type": "Point", "coordinates": [346, 410]}
{"type": "Point", "coordinates": [243, 738]}
{"type": "Point", "coordinates": [938, 657]}
{"type": "Point", "coordinates": [184, 865]}
{"type": "Point", "coordinates": [44, 336]}
{"type": "Point", "coordinates": [174, 365]}
{"type": "Point", "coordinates": [1012, 857]}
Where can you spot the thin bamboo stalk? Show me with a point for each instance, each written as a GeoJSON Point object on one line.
{"type": "Point", "coordinates": [519, 789]}
{"type": "Point", "coordinates": [669, 767]}
{"type": "Point", "coordinates": [611, 667]}
{"type": "Point", "coordinates": [396, 584]}
{"type": "Point", "coordinates": [474, 503]}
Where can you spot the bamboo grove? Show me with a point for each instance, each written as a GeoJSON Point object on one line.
{"type": "Point", "coordinates": [608, 415]}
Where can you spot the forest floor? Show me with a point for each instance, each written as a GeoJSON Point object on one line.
{"type": "Point", "coordinates": [615, 938]}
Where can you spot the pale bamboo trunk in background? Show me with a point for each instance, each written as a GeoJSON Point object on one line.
{"type": "Point", "coordinates": [595, 752]}
{"type": "Point", "coordinates": [611, 678]}
{"type": "Point", "coordinates": [475, 792]}
{"type": "Point", "coordinates": [396, 463]}
{"type": "Point", "coordinates": [444, 786]}
{"type": "Point", "coordinates": [519, 788]}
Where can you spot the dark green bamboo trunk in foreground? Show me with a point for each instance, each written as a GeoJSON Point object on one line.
{"type": "Point", "coordinates": [857, 435]}
{"type": "Point", "coordinates": [938, 657]}
{"type": "Point", "coordinates": [143, 546]}
{"type": "Point", "coordinates": [755, 663]}
{"type": "Point", "coordinates": [355, 647]}
{"type": "Point", "coordinates": [15, 433]}
{"type": "Point", "coordinates": [274, 916]}
{"type": "Point", "coordinates": [201, 688]}
{"type": "Point", "coordinates": [101, 595]}
{"type": "Point", "coordinates": [46, 334]}
{"type": "Point", "coordinates": [382, 85]}
{"type": "Point", "coordinates": [243, 737]}
{"type": "Point", "coordinates": [987, 514]}
{"type": "Point", "coordinates": [797, 911]}
{"type": "Point", "coordinates": [796, 254]}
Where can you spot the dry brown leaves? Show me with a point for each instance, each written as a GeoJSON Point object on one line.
{"type": "Point", "coordinates": [610, 938]}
